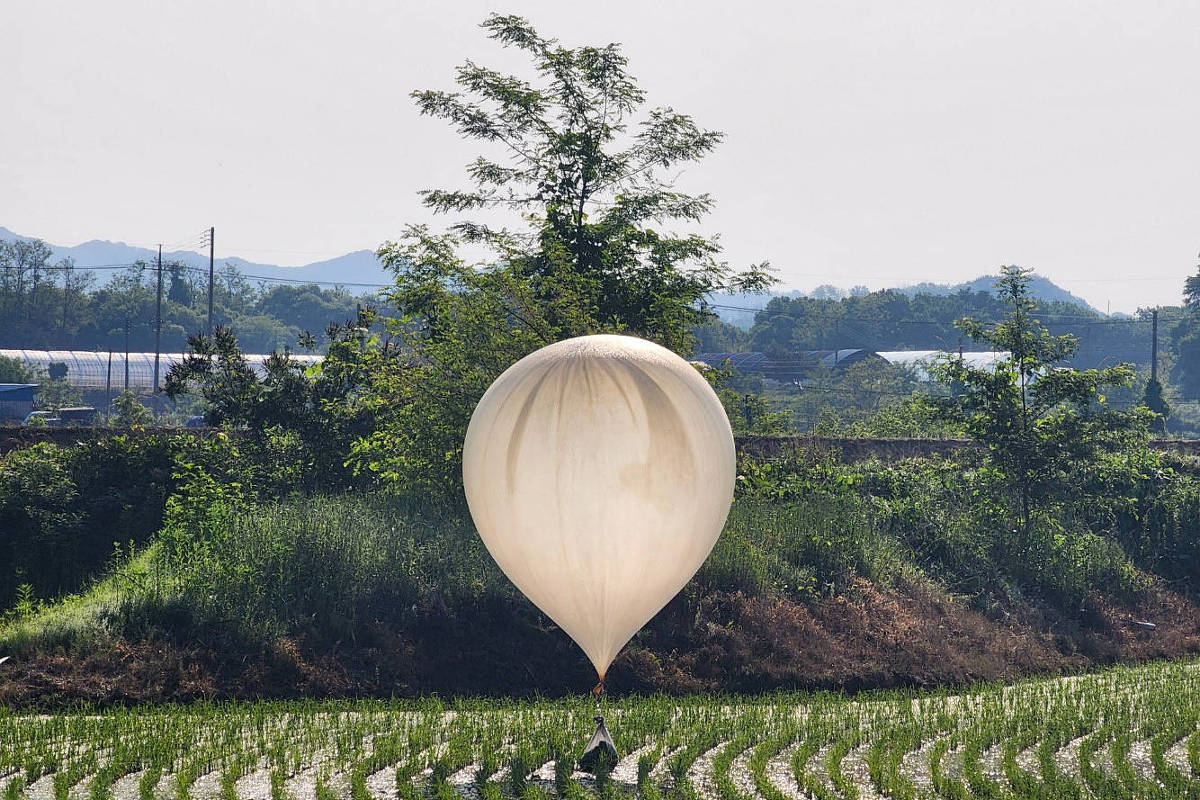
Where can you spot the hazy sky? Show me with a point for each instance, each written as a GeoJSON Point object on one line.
{"type": "Point", "coordinates": [879, 143]}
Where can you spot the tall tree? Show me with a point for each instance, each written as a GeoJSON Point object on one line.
{"type": "Point", "coordinates": [1187, 336]}
{"type": "Point", "coordinates": [587, 176]}
{"type": "Point", "coordinates": [584, 175]}
{"type": "Point", "coordinates": [1043, 426]}
{"type": "Point", "coordinates": [1191, 291]}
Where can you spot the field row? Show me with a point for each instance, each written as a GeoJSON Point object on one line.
{"type": "Point", "coordinates": [1119, 734]}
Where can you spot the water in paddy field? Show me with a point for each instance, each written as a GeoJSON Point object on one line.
{"type": "Point", "coordinates": [1135, 728]}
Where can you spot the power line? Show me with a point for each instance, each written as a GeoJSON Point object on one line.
{"type": "Point", "coordinates": [203, 271]}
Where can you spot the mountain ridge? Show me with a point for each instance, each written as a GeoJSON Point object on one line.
{"type": "Point", "coordinates": [357, 268]}
{"type": "Point", "coordinates": [361, 268]}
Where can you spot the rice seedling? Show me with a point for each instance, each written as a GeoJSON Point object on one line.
{"type": "Point", "coordinates": [1127, 732]}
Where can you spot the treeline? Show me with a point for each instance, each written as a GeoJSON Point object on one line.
{"type": "Point", "coordinates": [53, 305]}
{"type": "Point", "coordinates": [892, 320]}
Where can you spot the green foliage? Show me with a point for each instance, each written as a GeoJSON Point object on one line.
{"type": "Point", "coordinates": [717, 336]}
{"type": "Point", "coordinates": [869, 396]}
{"type": "Point", "coordinates": [1045, 429]}
{"type": "Point", "coordinates": [1187, 340]}
{"type": "Point", "coordinates": [749, 411]}
{"type": "Point", "coordinates": [55, 306]}
{"type": "Point", "coordinates": [904, 419]}
{"type": "Point", "coordinates": [1153, 400]}
{"type": "Point", "coordinates": [129, 412]}
{"type": "Point", "coordinates": [1191, 291]}
{"type": "Point", "coordinates": [324, 567]}
{"type": "Point", "coordinates": [61, 509]}
{"type": "Point", "coordinates": [461, 328]}
{"type": "Point", "coordinates": [55, 394]}
{"type": "Point", "coordinates": [304, 419]}
{"type": "Point", "coordinates": [14, 370]}
{"type": "Point", "coordinates": [893, 320]}
{"type": "Point", "coordinates": [587, 179]}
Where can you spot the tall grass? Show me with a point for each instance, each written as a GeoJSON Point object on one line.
{"type": "Point", "coordinates": [342, 566]}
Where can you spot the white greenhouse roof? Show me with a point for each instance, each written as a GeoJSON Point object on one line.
{"type": "Point", "coordinates": [921, 360]}
{"type": "Point", "coordinates": [90, 370]}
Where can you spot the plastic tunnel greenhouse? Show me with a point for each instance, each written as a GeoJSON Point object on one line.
{"type": "Point", "coordinates": [91, 371]}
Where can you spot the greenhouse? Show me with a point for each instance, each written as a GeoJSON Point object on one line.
{"type": "Point", "coordinates": [104, 371]}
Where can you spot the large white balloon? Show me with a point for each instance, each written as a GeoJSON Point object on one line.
{"type": "Point", "coordinates": [599, 472]}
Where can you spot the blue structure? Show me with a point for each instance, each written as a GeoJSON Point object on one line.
{"type": "Point", "coordinates": [16, 401]}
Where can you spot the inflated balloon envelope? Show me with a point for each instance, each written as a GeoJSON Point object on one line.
{"type": "Point", "coordinates": [599, 471]}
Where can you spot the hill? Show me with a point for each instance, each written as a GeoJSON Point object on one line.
{"type": "Point", "coordinates": [1043, 290]}
{"type": "Point", "coordinates": [828, 575]}
{"type": "Point", "coordinates": [358, 267]}
{"type": "Point", "coordinates": [362, 267]}
{"type": "Point", "coordinates": [739, 309]}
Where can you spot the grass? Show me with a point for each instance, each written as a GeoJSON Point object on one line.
{"type": "Point", "coordinates": [78, 620]}
{"type": "Point", "coordinates": [1137, 727]}
{"type": "Point", "coordinates": [332, 567]}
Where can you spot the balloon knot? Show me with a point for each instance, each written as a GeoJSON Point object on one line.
{"type": "Point", "coordinates": [598, 690]}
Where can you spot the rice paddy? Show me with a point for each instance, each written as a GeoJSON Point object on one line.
{"type": "Point", "coordinates": [1123, 733]}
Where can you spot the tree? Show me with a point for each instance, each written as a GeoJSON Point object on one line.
{"type": "Point", "coordinates": [1153, 399]}
{"type": "Point", "coordinates": [1187, 346]}
{"type": "Point", "coordinates": [588, 179]}
{"type": "Point", "coordinates": [180, 288]}
{"type": "Point", "coordinates": [130, 412]}
{"type": "Point", "coordinates": [14, 370]}
{"type": "Point", "coordinates": [592, 253]}
{"type": "Point", "coordinates": [1191, 291]}
{"type": "Point", "coordinates": [1043, 427]}
{"type": "Point", "coordinates": [74, 286]}
{"type": "Point", "coordinates": [319, 407]}
{"type": "Point", "coordinates": [56, 394]}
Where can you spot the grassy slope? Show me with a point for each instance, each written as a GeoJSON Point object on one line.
{"type": "Point", "coordinates": [381, 596]}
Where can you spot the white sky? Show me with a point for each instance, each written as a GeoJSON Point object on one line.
{"type": "Point", "coordinates": [880, 143]}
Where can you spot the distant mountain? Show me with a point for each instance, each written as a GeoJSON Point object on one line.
{"type": "Point", "coordinates": [739, 309]}
{"type": "Point", "coordinates": [362, 267]}
{"type": "Point", "coordinates": [359, 267]}
{"type": "Point", "coordinates": [1043, 289]}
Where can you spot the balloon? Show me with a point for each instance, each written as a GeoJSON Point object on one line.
{"type": "Point", "coordinates": [599, 471]}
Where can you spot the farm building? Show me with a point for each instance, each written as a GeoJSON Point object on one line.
{"type": "Point", "coordinates": [16, 400]}
{"type": "Point", "coordinates": [919, 361]}
{"type": "Point", "coordinates": [105, 371]}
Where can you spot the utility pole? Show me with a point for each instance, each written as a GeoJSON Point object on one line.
{"type": "Point", "coordinates": [66, 298]}
{"type": "Point", "coordinates": [211, 233]}
{"type": "Point", "coordinates": [1154, 345]}
{"type": "Point", "coordinates": [158, 320]}
{"type": "Point", "coordinates": [127, 354]}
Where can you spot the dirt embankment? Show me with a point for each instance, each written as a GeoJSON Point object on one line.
{"type": "Point", "coordinates": [867, 638]}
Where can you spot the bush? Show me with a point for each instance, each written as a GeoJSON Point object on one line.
{"type": "Point", "coordinates": [950, 519]}
{"type": "Point", "coordinates": [62, 509]}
